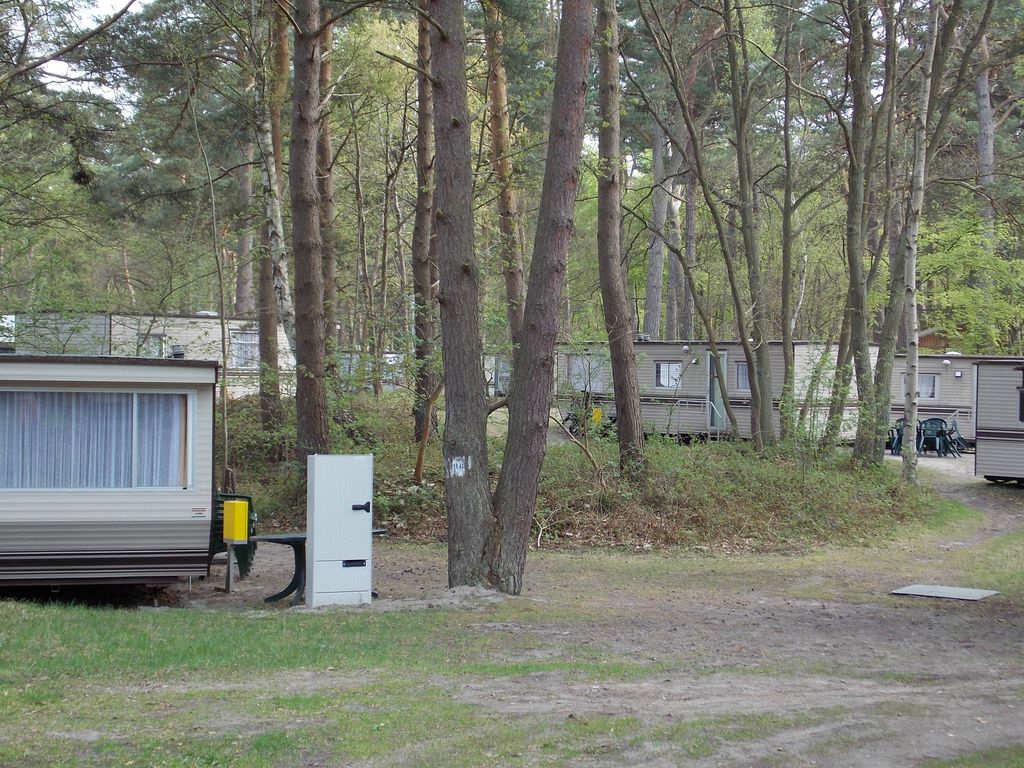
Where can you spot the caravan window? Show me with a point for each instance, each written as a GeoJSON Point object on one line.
{"type": "Point", "coordinates": [585, 373]}
{"type": "Point", "coordinates": [927, 386]}
{"type": "Point", "coordinates": [245, 349]}
{"type": "Point", "coordinates": [742, 378]}
{"type": "Point", "coordinates": [93, 440]}
{"type": "Point", "coordinates": [150, 345]}
{"type": "Point", "coordinates": [667, 375]}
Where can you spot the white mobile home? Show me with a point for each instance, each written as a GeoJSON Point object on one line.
{"type": "Point", "coordinates": [679, 390]}
{"type": "Point", "coordinates": [106, 469]}
{"type": "Point", "coordinates": [154, 336]}
{"type": "Point", "coordinates": [999, 439]}
{"type": "Point", "coordinates": [947, 385]}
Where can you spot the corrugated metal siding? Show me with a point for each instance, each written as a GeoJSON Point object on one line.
{"type": "Point", "coordinates": [52, 334]}
{"type": "Point", "coordinates": [998, 411]}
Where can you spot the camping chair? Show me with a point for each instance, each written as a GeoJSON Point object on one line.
{"type": "Point", "coordinates": [896, 437]}
{"type": "Point", "coordinates": [955, 442]}
{"type": "Point", "coordinates": [933, 436]}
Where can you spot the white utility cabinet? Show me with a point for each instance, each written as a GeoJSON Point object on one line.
{"type": "Point", "coordinates": [339, 521]}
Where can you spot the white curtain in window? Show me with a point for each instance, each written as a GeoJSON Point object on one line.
{"type": "Point", "coordinates": [742, 377]}
{"type": "Point", "coordinates": [160, 441]}
{"type": "Point", "coordinates": [65, 439]}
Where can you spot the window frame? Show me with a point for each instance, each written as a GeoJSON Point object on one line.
{"type": "Point", "coordinates": [657, 371]}
{"type": "Point", "coordinates": [190, 437]}
{"type": "Point", "coordinates": [935, 390]}
{"type": "Point", "coordinates": [143, 339]}
{"type": "Point", "coordinates": [742, 365]}
{"type": "Point", "coordinates": [254, 342]}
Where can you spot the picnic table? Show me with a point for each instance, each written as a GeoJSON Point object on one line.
{"type": "Point", "coordinates": [297, 585]}
{"type": "Point", "coordinates": [297, 541]}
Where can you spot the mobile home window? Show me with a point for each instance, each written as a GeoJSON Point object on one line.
{"type": "Point", "coordinates": [93, 440]}
{"type": "Point", "coordinates": [245, 349]}
{"type": "Point", "coordinates": [582, 373]}
{"type": "Point", "coordinates": [151, 345]}
{"type": "Point", "coordinates": [927, 385]}
{"type": "Point", "coordinates": [667, 374]}
{"type": "Point", "coordinates": [742, 377]}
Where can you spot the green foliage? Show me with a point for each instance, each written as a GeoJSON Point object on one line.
{"type": "Point", "coordinates": [969, 289]}
{"type": "Point", "coordinates": [717, 495]}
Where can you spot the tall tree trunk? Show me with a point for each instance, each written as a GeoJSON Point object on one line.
{"type": "Point", "coordinates": [533, 377]}
{"type": "Point", "coordinates": [467, 488]}
{"type": "Point", "coordinates": [617, 319]}
{"type": "Point", "coordinates": [501, 161]}
{"type": "Point", "coordinates": [760, 363]}
{"type": "Point", "coordinates": [787, 406]}
{"type": "Point", "coordinates": [325, 181]}
{"type": "Point", "coordinates": [861, 56]}
{"type": "Point", "coordinates": [310, 391]}
{"type": "Point", "coordinates": [689, 254]}
{"type": "Point", "coordinates": [917, 185]}
{"type": "Point", "coordinates": [986, 147]}
{"type": "Point", "coordinates": [423, 293]}
{"type": "Point", "coordinates": [656, 248]}
{"type": "Point", "coordinates": [245, 298]}
{"type": "Point", "coordinates": [271, 147]}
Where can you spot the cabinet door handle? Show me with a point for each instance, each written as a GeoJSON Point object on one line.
{"type": "Point", "coordinates": [361, 507]}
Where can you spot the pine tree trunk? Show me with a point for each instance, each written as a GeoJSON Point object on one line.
{"type": "Point", "coordinates": [310, 391]}
{"type": "Point", "coordinates": [423, 294]}
{"type": "Point", "coordinates": [986, 147]}
{"type": "Point", "coordinates": [501, 161]}
{"type": "Point", "coordinates": [533, 378]}
{"type": "Point", "coordinates": [656, 248]}
{"type": "Point", "coordinates": [325, 180]}
{"type": "Point", "coordinates": [617, 319]}
{"type": "Point", "coordinates": [467, 488]}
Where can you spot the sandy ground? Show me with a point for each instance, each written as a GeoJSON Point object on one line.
{"type": "Point", "coordinates": [865, 679]}
{"type": "Point", "coordinates": [924, 678]}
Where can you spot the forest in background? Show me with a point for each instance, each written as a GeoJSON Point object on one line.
{"type": "Point", "coordinates": [775, 172]}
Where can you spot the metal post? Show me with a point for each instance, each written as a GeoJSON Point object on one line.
{"type": "Point", "coordinates": [229, 580]}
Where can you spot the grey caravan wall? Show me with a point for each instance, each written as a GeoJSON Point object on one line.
{"type": "Point", "coordinates": [999, 438]}
{"type": "Point", "coordinates": [106, 469]}
{"type": "Point", "coordinates": [52, 333]}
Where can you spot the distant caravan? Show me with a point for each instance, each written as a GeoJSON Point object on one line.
{"type": "Point", "coordinates": [999, 451]}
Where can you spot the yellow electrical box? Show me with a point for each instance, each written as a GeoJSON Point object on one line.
{"type": "Point", "coordinates": [236, 521]}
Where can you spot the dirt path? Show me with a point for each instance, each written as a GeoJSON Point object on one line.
{"type": "Point", "coordinates": [827, 668]}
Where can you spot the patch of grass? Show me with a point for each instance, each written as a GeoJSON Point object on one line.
{"type": "Point", "coordinates": [996, 564]}
{"type": "Point", "coordinates": [1005, 757]}
{"type": "Point", "coordinates": [73, 641]}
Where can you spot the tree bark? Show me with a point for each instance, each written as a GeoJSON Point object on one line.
{"type": "Point", "coordinates": [986, 148]}
{"type": "Point", "coordinates": [325, 181]}
{"type": "Point", "coordinates": [245, 298]}
{"type": "Point", "coordinates": [310, 392]}
{"type": "Point", "coordinates": [917, 186]}
{"type": "Point", "coordinates": [861, 56]}
{"type": "Point", "coordinates": [533, 377]}
{"type": "Point", "coordinates": [761, 382]}
{"type": "Point", "coordinates": [464, 445]}
{"type": "Point", "coordinates": [617, 318]}
{"type": "Point", "coordinates": [656, 248]}
{"type": "Point", "coordinates": [509, 224]}
{"type": "Point", "coordinates": [423, 294]}
{"type": "Point", "coordinates": [689, 254]}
